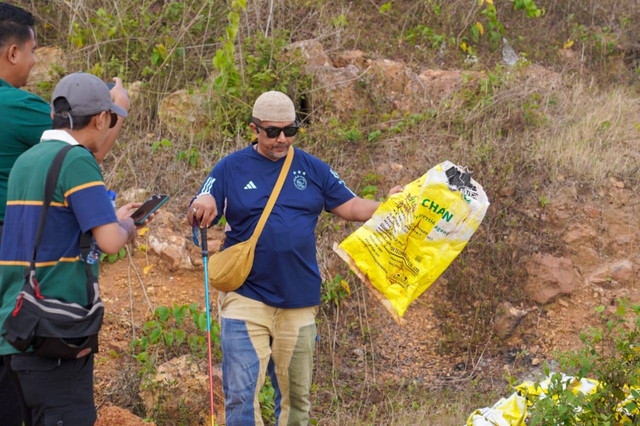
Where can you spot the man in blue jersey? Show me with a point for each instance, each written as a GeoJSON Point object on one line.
{"type": "Point", "coordinates": [268, 324]}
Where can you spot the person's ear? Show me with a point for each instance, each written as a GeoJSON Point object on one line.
{"type": "Point", "coordinates": [13, 53]}
{"type": "Point", "coordinates": [100, 120]}
{"type": "Point", "coordinates": [254, 130]}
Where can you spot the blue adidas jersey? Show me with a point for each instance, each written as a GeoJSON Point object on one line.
{"type": "Point", "coordinates": [285, 270]}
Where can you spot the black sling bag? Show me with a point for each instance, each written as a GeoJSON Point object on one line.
{"type": "Point", "coordinates": [55, 329]}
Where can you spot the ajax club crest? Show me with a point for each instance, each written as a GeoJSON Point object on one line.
{"type": "Point", "coordinates": [299, 180]}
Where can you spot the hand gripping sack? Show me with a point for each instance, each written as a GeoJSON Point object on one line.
{"type": "Point", "coordinates": [52, 327]}
{"type": "Point", "coordinates": [229, 268]}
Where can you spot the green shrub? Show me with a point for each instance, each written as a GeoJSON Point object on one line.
{"type": "Point", "coordinates": [172, 332]}
{"type": "Point", "coordinates": [610, 355]}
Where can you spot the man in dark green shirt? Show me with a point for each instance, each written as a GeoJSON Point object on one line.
{"type": "Point", "coordinates": [23, 115]}
{"type": "Point", "coordinates": [23, 118]}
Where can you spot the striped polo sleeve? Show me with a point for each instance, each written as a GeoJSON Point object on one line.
{"type": "Point", "coordinates": [84, 191]}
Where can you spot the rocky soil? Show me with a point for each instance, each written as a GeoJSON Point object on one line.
{"type": "Point", "coordinates": [598, 264]}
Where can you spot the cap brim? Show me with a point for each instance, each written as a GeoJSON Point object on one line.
{"type": "Point", "coordinates": [119, 110]}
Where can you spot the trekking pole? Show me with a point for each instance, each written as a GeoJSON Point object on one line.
{"type": "Point", "coordinates": [205, 254]}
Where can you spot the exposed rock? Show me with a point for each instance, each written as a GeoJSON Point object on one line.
{"type": "Point", "coordinates": [432, 86]}
{"type": "Point", "coordinates": [541, 77]}
{"type": "Point", "coordinates": [182, 112]}
{"type": "Point", "coordinates": [579, 232]}
{"type": "Point", "coordinates": [181, 387]}
{"type": "Point", "coordinates": [312, 52]}
{"type": "Point", "coordinates": [131, 195]}
{"type": "Point", "coordinates": [396, 167]}
{"type": "Point", "coordinates": [591, 212]}
{"type": "Point", "coordinates": [389, 76]}
{"type": "Point", "coordinates": [620, 233]}
{"type": "Point", "coordinates": [622, 197]}
{"type": "Point", "coordinates": [549, 277]}
{"type": "Point", "coordinates": [587, 255]}
{"type": "Point", "coordinates": [134, 90]}
{"type": "Point", "coordinates": [350, 57]}
{"type": "Point", "coordinates": [618, 271]}
{"type": "Point", "coordinates": [110, 415]}
{"type": "Point", "coordinates": [50, 64]}
{"type": "Point", "coordinates": [168, 243]}
{"type": "Point", "coordinates": [336, 90]}
{"type": "Point", "coordinates": [438, 84]}
{"type": "Point", "coordinates": [507, 319]}
{"type": "Point", "coordinates": [173, 255]}
{"type": "Point", "coordinates": [562, 206]}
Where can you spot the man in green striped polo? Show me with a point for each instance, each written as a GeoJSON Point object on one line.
{"type": "Point", "coordinates": [60, 391]}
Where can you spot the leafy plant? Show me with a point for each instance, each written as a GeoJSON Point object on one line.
{"type": "Point", "coordinates": [267, 65]}
{"type": "Point", "coordinates": [170, 333]}
{"type": "Point", "coordinates": [421, 32]}
{"type": "Point", "coordinates": [339, 21]}
{"type": "Point", "coordinates": [113, 258]}
{"type": "Point", "coordinates": [610, 355]}
{"type": "Point", "coordinates": [224, 59]}
{"type": "Point", "coordinates": [191, 156]}
{"type": "Point", "coordinates": [335, 290]}
{"type": "Point", "coordinates": [374, 135]}
{"type": "Point", "coordinates": [533, 11]}
{"type": "Point", "coordinates": [267, 399]}
{"type": "Point", "coordinates": [164, 143]}
{"type": "Point", "coordinates": [369, 191]}
{"type": "Point", "coordinates": [352, 135]}
{"type": "Point", "coordinates": [384, 8]}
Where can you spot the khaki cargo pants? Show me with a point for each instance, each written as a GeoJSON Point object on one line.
{"type": "Point", "coordinates": [258, 339]}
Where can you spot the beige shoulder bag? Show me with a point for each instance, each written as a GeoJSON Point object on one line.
{"type": "Point", "coordinates": [228, 269]}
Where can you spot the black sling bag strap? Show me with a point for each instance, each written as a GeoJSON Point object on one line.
{"type": "Point", "coordinates": [54, 328]}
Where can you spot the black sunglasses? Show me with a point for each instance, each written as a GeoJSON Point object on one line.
{"type": "Point", "coordinates": [114, 119]}
{"type": "Point", "coordinates": [273, 132]}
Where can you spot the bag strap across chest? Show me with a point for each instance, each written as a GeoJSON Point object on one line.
{"type": "Point", "coordinates": [274, 195]}
{"type": "Point", "coordinates": [85, 238]}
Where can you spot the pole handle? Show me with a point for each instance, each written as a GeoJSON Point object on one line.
{"type": "Point", "coordinates": [203, 241]}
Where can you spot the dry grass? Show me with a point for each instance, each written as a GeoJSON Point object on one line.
{"type": "Point", "coordinates": [595, 135]}
{"type": "Point", "coordinates": [413, 405]}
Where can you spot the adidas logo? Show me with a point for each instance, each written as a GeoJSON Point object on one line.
{"type": "Point", "coordinates": [250, 185]}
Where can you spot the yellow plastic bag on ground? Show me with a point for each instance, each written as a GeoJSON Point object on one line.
{"type": "Point", "coordinates": [414, 235]}
{"type": "Point", "coordinates": [514, 410]}
{"type": "Point", "coordinates": [511, 411]}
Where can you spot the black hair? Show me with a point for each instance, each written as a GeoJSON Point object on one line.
{"type": "Point", "coordinates": [62, 118]}
{"type": "Point", "coordinates": [15, 24]}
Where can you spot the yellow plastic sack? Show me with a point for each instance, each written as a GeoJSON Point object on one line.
{"type": "Point", "coordinates": [510, 411]}
{"type": "Point", "coordinates": [515, 409]}
{"type": "Point", "coordinates": [414, 235]}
